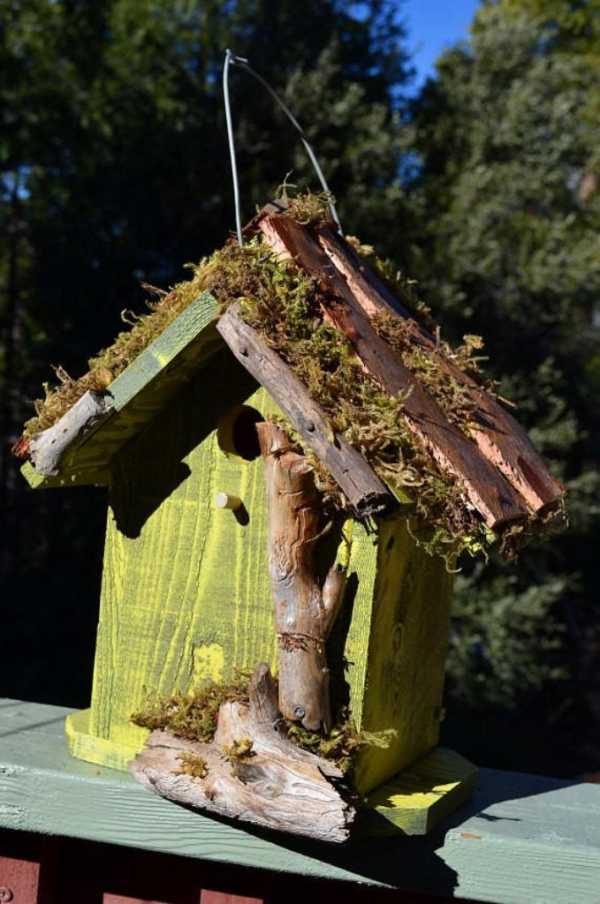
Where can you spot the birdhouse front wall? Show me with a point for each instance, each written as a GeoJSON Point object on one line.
{"type": "Point", "coordinates": [186, 594]}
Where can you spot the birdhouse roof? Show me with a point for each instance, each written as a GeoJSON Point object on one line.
{"type": "Point", "coordinates": [414, 417]}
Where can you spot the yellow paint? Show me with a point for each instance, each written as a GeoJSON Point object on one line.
{"type": "Point", "coordinates": [186, 594]}
{"type": "Point", "coordinates": [89, 747]}
{"type": "Point", "coordinates": [209, 662]}
{"type": "Point", "coordinates": [417, 798]}
{"type": "Point", "coordinates": [405, 653]}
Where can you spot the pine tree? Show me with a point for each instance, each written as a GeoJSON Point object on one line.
{"type": "Point", "coordinates": [114, 170]}
{"type": "Point", "coordinates": [510, 249]}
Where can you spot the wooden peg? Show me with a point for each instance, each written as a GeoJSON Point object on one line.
{"type": "Point", "coordinates": [225, 501]}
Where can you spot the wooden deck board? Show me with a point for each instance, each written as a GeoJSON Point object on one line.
{"type": "Point", "coordinates": [523, 839]}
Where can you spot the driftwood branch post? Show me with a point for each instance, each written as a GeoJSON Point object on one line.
{"type": "Point", "coordinates": [304, 611]}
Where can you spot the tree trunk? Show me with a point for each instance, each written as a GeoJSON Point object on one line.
{"type": "Point", "coordinates": [304, 611]}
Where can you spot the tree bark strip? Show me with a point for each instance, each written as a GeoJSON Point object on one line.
{"type": "Point", "coordinates": [304, 612]}
{"type": "Point", "coordinates": [487, 490]}
{"type": "Point", "coordinates": [276, 786]}
{"type": "Point", "coordinates": [500, 438]}
{"type": "Point", "coordinates": [365, 492]}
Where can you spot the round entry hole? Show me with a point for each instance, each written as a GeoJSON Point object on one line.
{"type": "Point", "coordinates": [237, 435]}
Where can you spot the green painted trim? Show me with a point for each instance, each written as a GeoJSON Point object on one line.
{"type": "Point", "coordinates": [521, 839]}
{"type": "Point", "coordinates": [139, 394]}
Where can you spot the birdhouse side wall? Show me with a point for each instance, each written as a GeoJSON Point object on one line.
{"type": "Point", "coordinates": [406, 657]}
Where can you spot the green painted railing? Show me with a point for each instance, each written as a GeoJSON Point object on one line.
{"type": "Point", "coordinates": [523, 839]}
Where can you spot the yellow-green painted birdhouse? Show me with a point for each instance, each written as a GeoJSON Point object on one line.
{"type": "Point", "coordinates": [293, 464]}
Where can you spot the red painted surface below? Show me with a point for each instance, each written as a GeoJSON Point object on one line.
{"type": "Point", "coordinates": [19, 880]}
{"type": "Point", "coordinates": [39, 870]}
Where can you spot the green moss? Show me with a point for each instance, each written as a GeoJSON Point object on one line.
{"type": "Point", "coordinates": [194, 715]}
{"type": "Point", "coordinates": [310, 209]}
{"type": "Point", "coordinates": [282, 303]}
{"type": "Point", "coordinates": [191, 764]}
{"type": "Point", "coordinates": [341, 744]}
{"type": "Point", "coordinates": [104, 367]}
{"type": "Point", "coordinates": [241, 749]}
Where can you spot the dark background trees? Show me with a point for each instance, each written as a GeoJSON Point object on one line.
{"type": "Point", "coordinates": [114, 171]}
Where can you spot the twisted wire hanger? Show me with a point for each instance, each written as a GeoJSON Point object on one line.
{"type": "Point", "coordinates": [232, 60]}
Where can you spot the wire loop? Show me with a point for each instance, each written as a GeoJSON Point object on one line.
{"type": "Point", "coordinates": [232, 59]}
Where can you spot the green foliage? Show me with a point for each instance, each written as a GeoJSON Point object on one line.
{"type": "Point", "coordinates": [114, 169]}
{"type": "Point", "coordinates": [511, 249]}
{"type": "Point", "coordinates": [505, 643]}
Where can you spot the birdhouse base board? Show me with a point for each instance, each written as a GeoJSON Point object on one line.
{"type": "Point", "coordinates": [92, 749]}
{"type": "Point", "coordinates": [415, 800]}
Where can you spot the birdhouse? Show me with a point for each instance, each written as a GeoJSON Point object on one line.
{"type": "Point", "coordinates": [293, 465]}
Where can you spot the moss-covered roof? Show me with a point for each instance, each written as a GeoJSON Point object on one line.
{"type": "Point", "coordinates": [283, 303]}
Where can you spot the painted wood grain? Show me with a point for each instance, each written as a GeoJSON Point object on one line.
{"type": "Point", "coordinates": [185, 591]}
{"type": "Point", "coordinates": [186, 594]}
{"type": "Point", "coordinates": [523, 839]}
{"type": "Point", "coordinates": [406, 654]}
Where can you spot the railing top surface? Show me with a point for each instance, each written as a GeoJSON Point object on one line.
{"type": "Point", "coordinates": [522, 839]}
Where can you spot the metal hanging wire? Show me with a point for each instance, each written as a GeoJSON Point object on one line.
{"type": "Point", "coordinates": [232, 60]}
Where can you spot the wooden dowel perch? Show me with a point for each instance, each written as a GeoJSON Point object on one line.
{"type": "Point", "coordinates": [271, 783]}
{"type": "Point", "coordinates": [304, 611]}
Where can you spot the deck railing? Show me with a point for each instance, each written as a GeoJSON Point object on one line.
{"type": "Point", "coordinates": [74, 833]}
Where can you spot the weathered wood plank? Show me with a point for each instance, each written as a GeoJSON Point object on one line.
{"type": "Point", "coordinates": [132, 400]}
{"type": "Point", "coordinates": [363, 489]}
{"type": "Point", "coordinates": [523, 838]}
{"type": "Point", "coordinates": [493, 497]}
{"type": "Point", "coordinates": [500, 438]}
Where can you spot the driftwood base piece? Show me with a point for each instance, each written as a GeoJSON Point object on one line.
{"type": "Point", "coordinates": [250, 772]}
